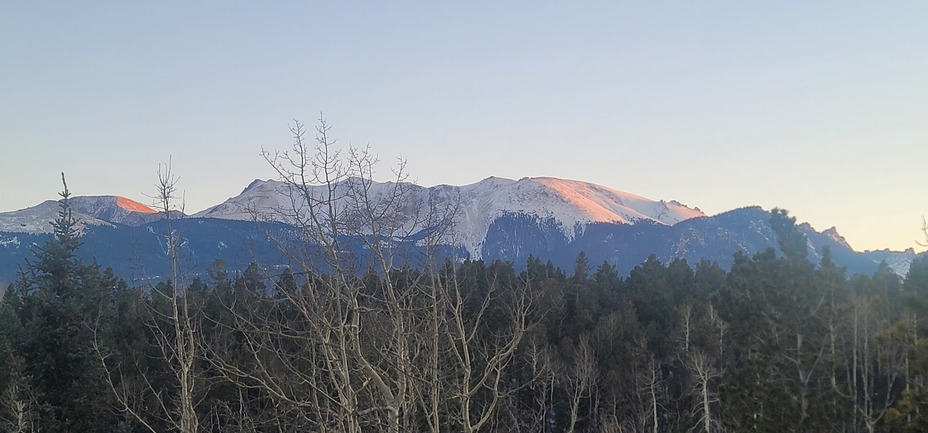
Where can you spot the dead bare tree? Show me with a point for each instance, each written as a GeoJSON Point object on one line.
{"type": "Point", "coordinates": [17, 411]}
{"type": "Point", "coordinates": [365, 342]}
{"type": "Point", "coordinates": [354, 345]}
{"type": "Point", "coordinates": [704, 373]}
{"type": "Point", "coordinates": [533, 414]}
{"type": "Point", "coordinates": [581, 380]}
{"type": "Point", "coordinates": [478, 363]}
{"type": "Point", "coordinates": [700, 362]}
{"type": "Point", "coordinates": [174, 331]}
{"type": "Point", "coordinates": [644, 396]}
{"type": "Point", "coordinates": [881, 350]}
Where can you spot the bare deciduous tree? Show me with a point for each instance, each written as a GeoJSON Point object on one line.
{"type": "Point", "coordinates": [364, 340]}
{"type": "Point", "coordinates": [17, 411]}
{"type": "Point", "coordinates": [700, 362]}
{"type": "Point", "coordinates": [480, 362]}
{"type": "Point", "coordinates": [581, 381]}
{"type": "Point", "coordinates": [174, 330]}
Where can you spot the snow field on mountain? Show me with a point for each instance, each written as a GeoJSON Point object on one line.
{"type": "Point", "coordinates": [572, 204]}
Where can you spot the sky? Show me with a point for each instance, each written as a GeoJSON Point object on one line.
{"type": "Point", "coordinates": [820, 108]}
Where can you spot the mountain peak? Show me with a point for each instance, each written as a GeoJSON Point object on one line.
{"type": "Point", "coordinates": [255, 183]}
{"type": "Point", "coordinates": [114, 209]}
{"type": "Point", "coordinates": [604, 204]}
{"type": "Point", "coordinates": [833, 234]}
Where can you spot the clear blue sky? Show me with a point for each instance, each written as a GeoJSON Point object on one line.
{"type": "Point", "coordinates": [817, 107]}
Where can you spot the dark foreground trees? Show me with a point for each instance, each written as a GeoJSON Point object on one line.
{"type": "Point", "coordinates": [51, 380]}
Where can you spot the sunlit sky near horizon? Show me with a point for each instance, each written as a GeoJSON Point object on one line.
{"type": "Point", "coordinates": [817, 107]}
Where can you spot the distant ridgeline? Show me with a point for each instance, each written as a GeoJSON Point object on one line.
{"type": "Point", "coordinates": [496, 219]}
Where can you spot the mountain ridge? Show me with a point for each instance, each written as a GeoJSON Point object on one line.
{"type": "Point", "coordinates": [88, 210]}
{"type": "Point", "coordinates": [493, 219]}
{"type": "Point", "coordinates": [572, 204]}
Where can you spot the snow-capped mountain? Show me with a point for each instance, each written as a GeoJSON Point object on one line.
{"type": "Point", "coordinates": [38, 219]}
{"type": "Point", "coordinates": [567, 204]}
{"type": "Point", "coordinates": [87, 210]}
{"type": "Point", "coordinates": [553, 219]}
{"type": "Point", "coordinates": [570, 205]}
{"type": "Point", "coordinates": [114, 209]}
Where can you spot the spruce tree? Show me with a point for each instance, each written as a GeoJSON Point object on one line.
{"type": "Point", "coordinates": [57, 297]}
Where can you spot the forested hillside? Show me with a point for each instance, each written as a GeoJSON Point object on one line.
{"type": "Point", "coordinates": [775, 344]}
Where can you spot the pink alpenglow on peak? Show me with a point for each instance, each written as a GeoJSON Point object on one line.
{"type": "Point", "coordinates": [603, 204]}
{"type": "Point", "coordinates": [132, 205]}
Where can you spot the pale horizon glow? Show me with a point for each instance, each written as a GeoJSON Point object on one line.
{"type": "Point", "coordinates": [816, 108]}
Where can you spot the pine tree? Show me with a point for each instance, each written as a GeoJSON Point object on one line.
{"type": "Point", "coordinates": [57, 298]}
